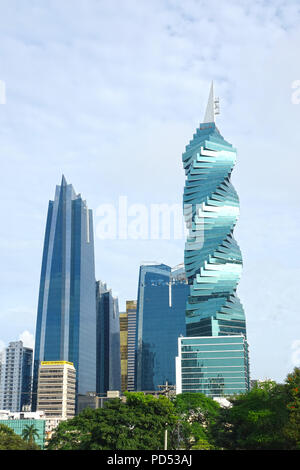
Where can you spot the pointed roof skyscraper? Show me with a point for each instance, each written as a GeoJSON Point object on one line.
{"type": "Point", "coordinates": [63, 181]}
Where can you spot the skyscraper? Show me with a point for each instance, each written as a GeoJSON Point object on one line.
{"type": "Point", "coordinates": [212, 258]}
{"type": "Point", "coordinates": [66, 319]}
{"type": "Point", "coordinates": [131, 306]}
{"type": "Point", "coordinates": [127, 345]}
{"type": "Point", "coordinates": [124, 350]}
{"type": "Point", "coordinates": [213, 264]}
{"type": "Point", "coordinates": [162, 296]}
{"type": "Point", "coordinates": [16, 377]}
{"type": "Point", "coordinates": [108, 341]}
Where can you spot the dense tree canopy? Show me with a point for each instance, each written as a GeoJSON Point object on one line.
{"type": "Point", "coordinates": [196, 412]}
{"type": "Point", "coordinates": [267, 417]}
{"type": "Point", "coordinates": [137, 424]}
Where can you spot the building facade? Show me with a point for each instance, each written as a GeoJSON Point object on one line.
{"type": "Point", "coordinates": [162, 297]}
{"type": "Point", "coordinates": [16, 382]}
{"type": "Point", "coordinates": [212, 258]}
{"type": "Point", "coordinates": [214, 365]}
{"type": "Point", "coordinates": [131, 306]}
{"type": "Point", "coordinates": [127, 345]}
{"type": "Point", "coordinates": [66, 319]}
{"type": "Point", "coordinates": [108, 341]}
{"type": "Point", "coordinates": [124, 350]}
{"type": "Point", "coordinates": [56, 389]}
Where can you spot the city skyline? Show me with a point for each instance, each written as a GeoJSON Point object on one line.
{"type": "Point", "coordinates": [115, 122]}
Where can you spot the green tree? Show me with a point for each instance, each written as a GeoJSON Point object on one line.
{"type": "Point", "coordinates": [292, 427]}
{"type": "Point", "coordinates": [29, 434]}
{"type": "Point", "coordinates": [9, 440]}
{"type": "Point", "coordinates": [255, 421]}
{"type": "Point", "coordinates": [135, 425]}
{"type": "Point", "coordinates": [196, 412]}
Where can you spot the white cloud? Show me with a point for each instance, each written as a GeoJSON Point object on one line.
{"type": "Point", "coordinates": [27, 338]}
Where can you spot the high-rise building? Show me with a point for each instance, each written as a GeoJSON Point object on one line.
{"type": "Point", "coordinates": [2, 364]}
{"type": "Point", "coordinates": [213, 261]}
{"type": "Point", "coordinates": [108, 341]}
{"type": "Point", "coordinates": [124, 350]}
{"type": "Point", "coordinates": [16, 380]}
{"type": "Point", "coordinates": [214, 365]}
{"type": "Point", "coordinates": [127, 345]}
{"type": "Point", "coordinates": [66, 319]}
{"type": "Point", "coordinates": [162, 296]}
{"type": "Point", "coordinates": [57, 389]}
{"type": "Point", "coordinates": [131, 306]}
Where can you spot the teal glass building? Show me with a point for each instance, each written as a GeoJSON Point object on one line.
{"type": "Point", "coordinates": [66, 318]}
{"type": "Point", "coordinates": [214, 365]}
{"type": "Point", "coordinates": [212, 258]}
{"type": "Point", "coordinates": [213, 265]}
{"type": "Point", "coordinates": [162, 297]}
{"type": "Point", "coordinates": [18, 425]}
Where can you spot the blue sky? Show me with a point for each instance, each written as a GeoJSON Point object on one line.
{"type": "Point", "coordinates": [109, 93]}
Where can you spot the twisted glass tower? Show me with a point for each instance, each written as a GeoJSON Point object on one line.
{"type": "Point", "coordinates": [213, 260]}
{"type": "Point", "coordinates": [213, 357]}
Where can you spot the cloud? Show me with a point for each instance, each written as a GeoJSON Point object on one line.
{"type": "Point", "coordinates": [27, 338]}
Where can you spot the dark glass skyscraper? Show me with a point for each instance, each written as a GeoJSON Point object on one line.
{"type": "Point", "coordinates": [66, 319]}
{"type": "Point", "coordinates": [162, 296]}
{"type": "Point", "coordinates": [108, 340]}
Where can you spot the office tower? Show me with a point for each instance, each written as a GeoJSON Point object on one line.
{"type": "Point", "coordinates": [66, 319]}
{"type": "Point", "coordinates": [127, 345]}
{"type": "Point", "coordinates": [162, 296]}
{"type": "Point", "coordinates": [2, 364]}
{"type": "Point", "coordinates": [57, 389]}
{"type": "Point", "coordinates": [124, 349]}
{"type": "Point", "coordinates": [214, 365]}
{"type": "Point", "coordinates": [131, 306]}
{"type": "Point", "coordinates": [213, 261]}
{"type": "Point", "coordinates": [16, 377]}
{"type": "Point", "coordinates": [108, 340]}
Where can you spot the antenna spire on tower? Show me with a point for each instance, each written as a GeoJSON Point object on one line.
{"type": "Point", "coordinates": [213, 106]}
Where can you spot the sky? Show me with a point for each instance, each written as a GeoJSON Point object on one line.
{"type": "Point", "coordinates": [109, 93]}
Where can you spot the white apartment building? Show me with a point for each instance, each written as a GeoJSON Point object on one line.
{"type": "Point", "coordinates": [56, 390]}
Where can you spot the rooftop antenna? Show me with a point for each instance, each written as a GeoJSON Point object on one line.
{"type": "Point", "coordinates": [213, 106]}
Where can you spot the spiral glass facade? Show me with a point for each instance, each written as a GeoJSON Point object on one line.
{"type": "Point", "coordinates": [213, 260]}
{"type": "Point", "coordinates": [213, 361]}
